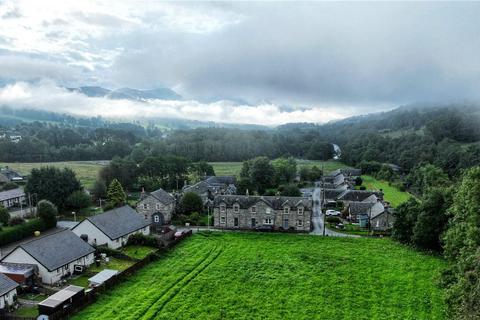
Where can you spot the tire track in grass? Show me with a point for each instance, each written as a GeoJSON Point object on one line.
{"type": "Point", "coordinates": [157, 306]}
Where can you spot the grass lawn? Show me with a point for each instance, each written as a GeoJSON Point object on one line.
{"type": "Point", "coordinates": [114, 264]}
{"type": "Point", "coordinates": [391, 193]}
{"type": "Point", "coordinates": [138, 252]}
{"type": "Point", "coordinates": [27, 311]}
{"type": "Point", "coordinates": [86, 171]}
{"type": "Point", "coordinates": [233, 168]}
{"type": "Point", "coordinates": [33, 296]}
{"type": "Point", "coordinates": [279, 276]}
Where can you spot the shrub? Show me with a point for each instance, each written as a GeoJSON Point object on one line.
{"type": "Point", "coordinates": [78, 200]}
{"type": "Point", "coordinates": [142, 240]}
{"type": "Point", "coordinates": [331, 219]}
{"type": "Point", "coordinates": [21, 231]}
{"type": "Point", "coordinates": [9, 186]}
{"type": "Point", "coordinates": [47, 212]}
{"type": "Point", "coordinates": [4, 215]}
{"type": "Point", "coordinates": [16, 221]}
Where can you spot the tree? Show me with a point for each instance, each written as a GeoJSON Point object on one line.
{"type": "Point", "coordinates": [462, 249]}
{"type": "Point", "coordinates": [99, 189]}
{"type": "Point", "coordinates": [285, 170]}
{"type": "Point", "coordinates": [290, 190]}
{"type": "Point", "coordinates": [78, 200]}
{"type": "Point", "coordinates": [191, 202]}
{"type": "Point", "coordinates": [358, 181]}
{"type": "Point", "coordinates": [47, 212]}
{"type": "Point", "coordinates": [124, 170]}
{"type": "Point", "coordinates": [116, 197]}
{"type": "Point", "coordinates": [202, 169]}
{"type": "Point", "coordinates": [261, 174]}
{"type": "Point", "coordinates": [53, 184]}
{"type": "Point", "coordinates": [406, 216]}
{"type": "Point", "coordinates": [4, 215]}
{"type": "Point", "coordinates": [432, 220]}
{"type": "Point", "coordinates": [422, 178]}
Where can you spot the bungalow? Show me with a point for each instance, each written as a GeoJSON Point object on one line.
{"type": "Point", "coordinates": [8, 292]}
{"type": "Point", "coordinates": [56, 255]}
{"type": "Point", "coordinates": [13, 198]}
{"type": "Point", "coordinates": [112, 228]}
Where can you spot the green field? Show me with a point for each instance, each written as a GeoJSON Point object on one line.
{"type": "Point", "coordinates": [86, 171]}
{"type": "Point", "coordinates": [391, 193]}
{"type": "Point", "coordinates": [279, 276]}
{"type": "Point", "coordinates": [233, 168]}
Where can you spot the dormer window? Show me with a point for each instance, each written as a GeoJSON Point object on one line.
{"type": "Point", "coordinates": [300, 210]}
{"type": "Point", "coordinates": [222, 208]}
{"type": "Point", "coordinates": [253, 209]}
{"type": "Point", "coordinates": [236, 208]}
{"type": "Point", "coordinates": [286, 210]}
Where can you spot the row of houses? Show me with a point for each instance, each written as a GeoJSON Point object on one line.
{"type": "Point", "coordinates": [57, 256]}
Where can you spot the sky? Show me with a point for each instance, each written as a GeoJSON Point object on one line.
{"type": "Point", "coordinates": [239, 62]}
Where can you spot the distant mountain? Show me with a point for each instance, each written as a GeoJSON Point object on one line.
{"type": "Point", "coordinates": [128, 93]}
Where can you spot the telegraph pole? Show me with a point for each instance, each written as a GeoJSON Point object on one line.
{"type": "Point", "coordinates": [322, 201]}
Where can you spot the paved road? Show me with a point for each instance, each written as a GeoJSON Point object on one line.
{"type": "Point", "coordinates": [317, 218]}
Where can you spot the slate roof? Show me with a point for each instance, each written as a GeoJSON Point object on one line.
{"type": "Point", "coordinates": [368, 208]}
{"type": "Point", "coordinates": [11, 194]}
{"type": "Point", "coordinates": [351, 172]}
{"type": "Point", "coordinates": [56, 250]}
{"type": "Point", "coordinates": [277, 203]}
{"type": "Point", "coordinates": [118, 222]}
{"type": "Point", "coordinates": [4, 178]}
{"type": "Point", "coordinates": [333, 194]}
{"type": "Point", "coordinates": [162, 196]}
{"type": "Point", "coordinates": [201, 187]}
{"type": "Point", "coordinates": [224, 180]}
{"type": "Point", "coordinates": [356, 195]}
{"type": "Point", "coordinates": [6, 284]}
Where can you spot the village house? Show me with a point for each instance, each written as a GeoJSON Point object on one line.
{"type": "Point", "coordinates": [371, 210]}
{"type": "Point", "coordinates": [251, 212]}
{"type": "Point", "coordinates": [8, 292]}
{"type": "Point", "coordinates": [112, 228]}
{"type": "Point", "coordinates": [13, 198]}
{"type": "Point", "coordinates": [212, 186]}
{"type": "Point", "coordinates": [157, 207]}
{"type": "Point", "coordinates": [56, 255]}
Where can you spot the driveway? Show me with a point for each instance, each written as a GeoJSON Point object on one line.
{"type": "Point", "coordinates": [318, 218]}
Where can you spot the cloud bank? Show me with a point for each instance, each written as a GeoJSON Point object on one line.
{"type": "Point", "coordinates": [46, 95]}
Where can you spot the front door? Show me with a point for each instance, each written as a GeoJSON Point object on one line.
{"type": "Point", "coordinates": [285, 223]}
{"type": "Point", "coordinates": [235, 222]}
{"type": "Point", "coordinates": [254, 223]}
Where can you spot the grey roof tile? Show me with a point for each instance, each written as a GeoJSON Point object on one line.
{"type": "Point", "coordinates": [6, 284]}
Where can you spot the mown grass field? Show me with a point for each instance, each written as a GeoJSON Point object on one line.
{"type": "Point", "coordinates": [274, 276]}
{"type": "Point", "coordinates": [234, 168]}
{"type": "Point", "coordinates": [391, 193]}
{"type": "Point", "coordinates": [86, 171]}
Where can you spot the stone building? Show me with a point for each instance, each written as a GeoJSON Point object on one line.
{"type": "Point", "coordinates": [251, 212]}
{"type": "Point", "coordinates": [157, 207]}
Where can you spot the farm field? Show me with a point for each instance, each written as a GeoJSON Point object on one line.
{"type": "Point", "coordinates": [234, 168]}
{"type": "Point", "coordinates": [391, 193]}
{"type": "Point", "coordinates": [86, 171]}
{"type": "Point", "coordinates": [279, 276]}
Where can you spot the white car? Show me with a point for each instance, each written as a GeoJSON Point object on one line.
{"type": "Point", "coordinates": [332, 213]}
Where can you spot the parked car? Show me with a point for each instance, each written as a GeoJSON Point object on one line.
{"type": "Point", "coordinates": [264, 228]}
{"type": "Point", "coordinates": [332, 213]}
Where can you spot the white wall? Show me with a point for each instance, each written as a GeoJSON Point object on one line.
{"type": "Point", "coordinates": [8, 298]}
{"type": "Point", "coordinates": [48, 277]}
{"type": "Point", "coordinates": [97, 237]}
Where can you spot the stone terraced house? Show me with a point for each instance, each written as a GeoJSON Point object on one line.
{"type": "Point", "coordinates": [157, 207]}
{"type": "Point", "coordinates": [251, 212]}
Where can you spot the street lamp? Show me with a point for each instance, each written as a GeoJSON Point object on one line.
{"type": "Point", "coordinates": [74, 216]}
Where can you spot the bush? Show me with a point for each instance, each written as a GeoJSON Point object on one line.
{"type": "Point", "coordinates": [332, 219]}
{"type": "Point", "coordinates": [47, 212]}
{"type": "Point", "coordinates": [79, 200]}
{"type": "Point", "coordinates": [21, 231]}
{"type": "Point", "coordinates": [9, 186]}
{"type": "Point", "coordinates": [16, 221]}
{"type": "Point", "coordinates": [363, 188]}
{"type": "Point", "coordinates": [4, 215]}
{"type": "Point", "coordinates": [191, 202]}
{"type": "Point", "coordinates": [142, 240]}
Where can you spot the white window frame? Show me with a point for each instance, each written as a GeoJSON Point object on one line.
{"type": "Point", "coordinates": [156, 218]}
{"type": "Point", "coordinates": [268, 221]}
{"type": "Point", "coordinates": [300, 210]}
{"type": "Point", "coordinates": [268, 210]}
{"type": "Point", "coordinates": [223, 208]}
{"type": "Point", "coordinates": [300, 223]}
{"type": "Point", "coordinates": [253, 209]}
{"type": "Point", "coordinates": [236, 208]}
{"type": "Point", "coordinates": [157, 206]}
{"type": "Point", "coordinates": [223, 219]}
{"type": "Point", "coordinates": [286, 210]}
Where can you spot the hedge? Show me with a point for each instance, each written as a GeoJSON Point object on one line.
{"type": "Point", "coordinates": [21, 231]}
